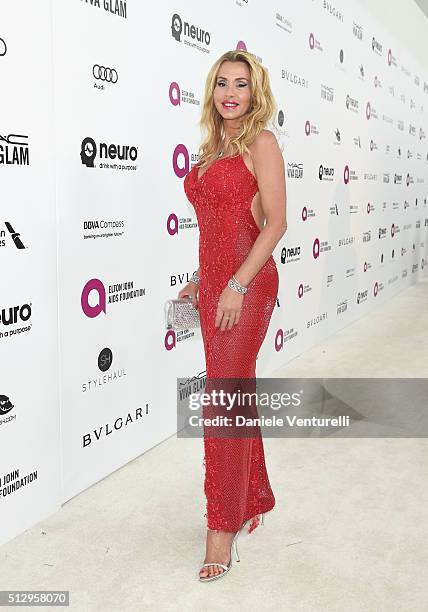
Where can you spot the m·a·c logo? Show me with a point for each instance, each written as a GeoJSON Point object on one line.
{"type": "Point", "coordinates": [3, 47]}
{"type": "Point", "coordinates": [14, 150]}
{"type": "Point", "coordinates": [115, 7]}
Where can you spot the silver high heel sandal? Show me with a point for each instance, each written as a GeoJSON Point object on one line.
{"type": "Point", "coordinates": [226, 568]}
{"type": "Point", "coordinates": [234, 545]}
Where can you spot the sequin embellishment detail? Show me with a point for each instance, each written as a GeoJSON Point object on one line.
{"type": "Point", "coordinates": [236, 483]}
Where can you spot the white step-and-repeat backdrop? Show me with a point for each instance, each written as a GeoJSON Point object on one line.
{"type": "Point", "coordinates": [98, 128]}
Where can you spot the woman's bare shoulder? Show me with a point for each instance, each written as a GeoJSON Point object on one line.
{"type": "Point", "coordinates": [265, 143]}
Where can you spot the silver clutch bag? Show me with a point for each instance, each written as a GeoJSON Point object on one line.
{"type": "Point", "coordinates": [181, 314]}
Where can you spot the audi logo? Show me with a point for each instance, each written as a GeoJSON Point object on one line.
{"type": "Point", "coordinates": [105, 74]}
{"type": "Point", "coordinates": [3, 47]}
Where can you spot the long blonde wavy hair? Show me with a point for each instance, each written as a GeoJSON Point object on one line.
{"type": "Point", "coordinates": [262, 109]}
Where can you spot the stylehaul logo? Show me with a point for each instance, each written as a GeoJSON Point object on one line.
{"type": "Point", "coordinates": [105, 376]}
{"type": "Point", "coordinates": [15, 236]}
{"type": "Point", "coordinates": [14, 150]}
{"type": "Point", "coordinates": [94, 296]}
{"type": "Point", "coordinates": [179, 27]}
{"type": "Point", "coordinates": [89, 151]}
{"type": "Point", "coordinates": [115, 7]}
{"type": "Point", "coordinates": [13, 316]}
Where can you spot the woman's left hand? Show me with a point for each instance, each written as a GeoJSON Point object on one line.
{"type": "Point", "coordinates": [229, 308]}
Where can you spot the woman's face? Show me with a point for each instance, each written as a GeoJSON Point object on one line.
{"type": "Point", "coordinates": [232, 85]}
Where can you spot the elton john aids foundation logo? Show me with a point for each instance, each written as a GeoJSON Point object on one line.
{"type": "Point", "coordinates": [94, 295]}
{"type": "Point", "coordinates": [93, 310]}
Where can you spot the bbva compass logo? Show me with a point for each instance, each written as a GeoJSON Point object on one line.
{"type": "Point", "coordinates": [89, 151]}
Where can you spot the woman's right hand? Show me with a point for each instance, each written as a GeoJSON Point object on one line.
{"type": "Point", "coordinates": [191, 289]}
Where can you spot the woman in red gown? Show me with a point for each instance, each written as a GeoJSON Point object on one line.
{"type": "Point", "coordinates": [238, 183]}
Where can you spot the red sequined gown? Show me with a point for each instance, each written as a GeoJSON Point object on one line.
{"type": "Point", "coordinates": [236, 484]}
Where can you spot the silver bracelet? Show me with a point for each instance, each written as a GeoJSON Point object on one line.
{"type": "Point", "coordinates": [195, 278]}
{"type": "Point", "coordinates": [236, 286]}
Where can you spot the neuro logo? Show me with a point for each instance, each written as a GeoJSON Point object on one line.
{"type": "Point", "coordinates": [3, 47]}
{"type": "Point", "coordinates": [176, 26]}
{"type": "Point", "coordinates": [88, 152]}
{"type": "Point", "coordinates": [15, 314]}
{"type": "Point", "coordinates": [98, 288]}
{"type": "Point", "coordinates": [191, 31]}
{"type": "Point", "coordinates": [5, 404]}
